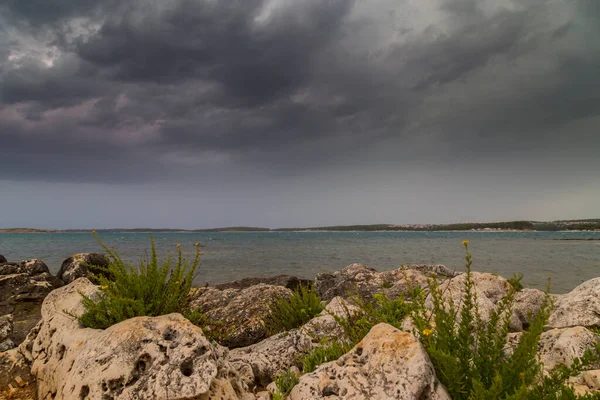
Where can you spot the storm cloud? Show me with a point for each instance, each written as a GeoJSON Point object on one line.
{"type": "Point", "coordinates": [358, 95]}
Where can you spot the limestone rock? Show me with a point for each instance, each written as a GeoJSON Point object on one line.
{"type": "Point", "coordinates": [588, 382]}
{"type": "Point", "coordinates": [239, 311]}
{"type": "Point", "coordinates": [386, 364]}
{"type": "Point", "coordinates": [580, 307]}
{"type": "Point", "coordinates": [324, 326]}
{"type": "Point", "coordinates": [270, 357]}
{"type": "Point", "coordinates": [16, 381]}
{"type": "Point", "coordinates": [289, 281]}
{"type": "Point", "coordinates": [438, 269]}
{"type": "Point", "coordinates": [81, 265]}
{"type": "Point", "coordinates": [6, 329]}
{"type": "Point", "coordinates": [140, 358]}
{"type": "Point", "coordinates": [23, 287]}
{"type": "Point", "coordinates": [528, 302]}
{"type": "Point", "coordinates": [364, 281]}
{"type": "Point", "coordinates": [561, 346]}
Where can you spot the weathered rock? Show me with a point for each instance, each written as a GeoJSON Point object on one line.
{"type": "Point", "coordinates": [488, 288]}
{"type": "Point", "coordinates": [528, 303]}
{"type": "Point", "coordinates": [239, 312]}
{"type": "Point", "coordinates": [261, 362]}
{"type": "Point", "coordinates": [82, 266]}
{"type": "Point", "coordinates": [6, 330]}
{"type": "Point", "coordinates": [324, 326]}
{"type": "Point", "coordinates": [580, 307]}
{"type": "Point", "coordinates": [561, 346]}
{"type": "Point", "coordinates": [289, 281]}
{"type": "Point", "coordinates": [23, 287]}
{"type": "Point", "coordinates": [386, 364]}
{"type": "Point", "coordinates": [2, 259]}
{"type": "Point", "coordinates": [364, 281]}
{"type": "Point", "coordinates": [430, 270]}
{"type": "Point", "coordinates": [16, 382]}
{"type": "Point", "coordinates": [140, 358]}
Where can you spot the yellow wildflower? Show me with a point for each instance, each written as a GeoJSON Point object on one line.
{"type": "Point", "coordinates": [196, 244]}
{"type": "Point", "coordinates": [465, 242]}
{"type": "Point", "coordinates": [94, 231]}
{"type": "Point", "coordinates": [177, 282]}
{"type": "Point", "coordinates": [104, 287]}
{"type": "Point", "coordinates": [427, 332]}
{"type": "Point", "coordinates": [178, 244]}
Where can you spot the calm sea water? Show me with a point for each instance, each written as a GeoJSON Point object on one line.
{"type": "Point", "coordinates": [230, 256]}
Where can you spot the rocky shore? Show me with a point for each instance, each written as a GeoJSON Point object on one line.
{"type": "Point", "coordinates": [46, 354]}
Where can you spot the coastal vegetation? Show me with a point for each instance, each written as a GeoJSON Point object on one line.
{"type": "Point", "coordinates": [151, 288]}
{"type": "Point", "coordinates": [469, 353]}
{"type": "Point", "coordinates": [289, 312]}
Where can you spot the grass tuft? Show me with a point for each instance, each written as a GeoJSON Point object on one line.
{"type": "Point", "coordinates": [289, 312]}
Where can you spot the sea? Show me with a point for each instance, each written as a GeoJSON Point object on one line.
{"type": "Point", "coordinates": [568, 258]}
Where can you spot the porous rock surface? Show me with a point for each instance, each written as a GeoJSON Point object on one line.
{"type": "Point", "coordinates": [324, 326]}
{"type": "Point", "coordinates": [82, 266]}
{"type": "Point", "coordinates": [366, 282]}
{"type": "Point", "coordinates": [562, 345]}
{"type": "Point", "coordinates": [23, 287]}
{"type": "Point", "coordinates": [528, 303]}
{"type": "Point", "coordinates": [386, 364]}
{"type": "Point", "coordinates": [580, 307]}
{"type": "Point", "coordinates": [140, 358]}
{"type": "Point", "coordinates": [239, 312]}
{"type": "Point", "coordinates": [260, 363]}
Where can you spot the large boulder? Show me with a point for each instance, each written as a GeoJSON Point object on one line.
{"type": "Point", "coordinates": [140, 358]}
{"type": "Point", "coordinates": [238, 313]}
{"type": "Point", "coordinates": [386, 364]}
{"type": "Point", "coordinates": [358, 279]}
{"type": "Point", "coordinates": [561, 346]}
{"type": "Point", "coordinates": [23, 287]}
{"type": "Point", "coordinates": [289, 281]}
{"type": "Point", "coordinates": [82, 266]}
{"type": "Point", "coordinates": [580, 307]}
{"type": "Point", "coordinates": [2, 259]}
{"type": "Point", "coordinates": [6, 330]}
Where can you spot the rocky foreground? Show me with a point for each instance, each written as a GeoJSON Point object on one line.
{"type": "Point", "coordinates": [46, 354]}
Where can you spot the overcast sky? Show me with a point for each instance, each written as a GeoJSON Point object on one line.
{"type": "Point", "coordinates": [278, 113]}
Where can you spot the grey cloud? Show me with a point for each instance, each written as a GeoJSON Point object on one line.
{"type": "Point", "coordinates": [307, 88]}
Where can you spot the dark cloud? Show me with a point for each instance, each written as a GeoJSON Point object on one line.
{"type": "Point", "coordinates": [157, 89]}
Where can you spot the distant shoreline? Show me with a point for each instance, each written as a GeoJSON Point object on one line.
{"type": "Point", "coordinates": [578, 225]}
{"type": "Point", "coordinates": [35, 231]}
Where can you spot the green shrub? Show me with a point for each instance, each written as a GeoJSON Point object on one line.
{"type": "Point", "coordinates": [149, 289]}
{"type": "Point", "coordinates": [323, 354]}
{"type": "Point", "coordinates": [515, 281]}
{"type": "Point", "coordinates": [371, 313]}
{"type": "Point", "coordinates": [289, 312]}
{"type": "Point", "coordinates": [285, 383]}
{"type": "Point", "coordinates": [469, 354]}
